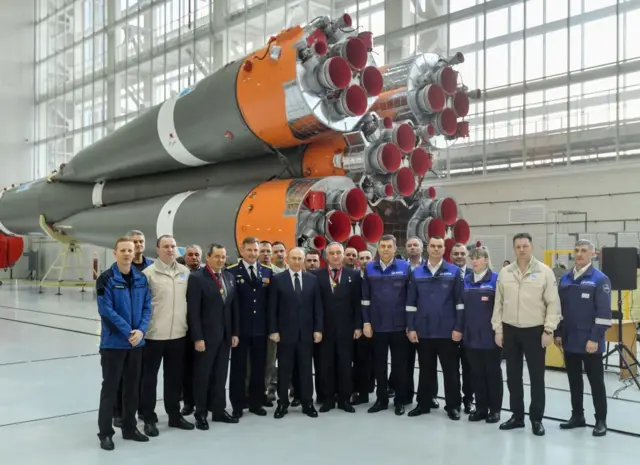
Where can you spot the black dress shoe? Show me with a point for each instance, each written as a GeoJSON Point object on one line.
{"type": "Point", "coordinates": [258, 411]}
{"type": "Point", "coordinates": [419, 410]}
{"type": "Point", "coordinates": [478, 416]}
{"type": "Point", "coordinates": [202, 424]}
{"type": "Point", "coordinates": [469, 408]}
{"type": "Point", "coordinates": [151, 430]}
{"type": "Point", "coordinates": [600, 429]}
{"type": "Point", "coordinates": [134, 435]}
{"type": "Point", "coordinates": [453, 413]}
{"type": "Point", "coordinates": [237, 413]}
{"type": "Point", "coordinates": [576, 421]}
{"type": "Point", "coordinates": [180, 423]}
{"type": "Point", "coordinates": [378, 407]}
{"type": "Point", "coordinates": [512, 423]}
{"type": "Point", "coordinates": [399, 409]}
{"type": "Point", "coordinates": [309, 410]}
{"type": "Point", "coordinates": [435, 403]}
{"type": "Point", "coordinates": [107, 444]}
{"type": "Point", "coordinates": [295, 403]}
{"type": "Point", "coordinates": [345, 406]}
{"type": "Point", "coordinates": [223, 417]}
{"type": "Point", "coordinates": [117, 422]}
{"type": "Point", "coordinates": [537, 428]}
{"type": "Point", "coordinates": [327, 406]}
{"type": "Point", "coordinates": [281, 411]}
{"type": "Point", "coordinates": [187, 410]}
{"type": "Point", "coordinates": [359, 399]}
{"type": "Point", "coordinates": [493, 417]}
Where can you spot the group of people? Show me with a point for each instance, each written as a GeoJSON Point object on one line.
{"type": "Point", "coordinates": [279, 316]}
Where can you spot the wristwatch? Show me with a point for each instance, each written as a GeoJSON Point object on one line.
{"type": "Point", "coordinates": [548, 333]}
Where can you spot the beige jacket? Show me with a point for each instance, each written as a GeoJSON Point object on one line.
{"type": "Point", "coordinates": [526, 300]}
{"type": "Point", "coordinates": [168, 287]}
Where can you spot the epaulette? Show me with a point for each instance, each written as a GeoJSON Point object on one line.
{"type": "Point", "coordinates": [233, 265]}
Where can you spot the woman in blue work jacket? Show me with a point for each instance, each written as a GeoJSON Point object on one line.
{"type": "Point", "coordinates": [483, 354]}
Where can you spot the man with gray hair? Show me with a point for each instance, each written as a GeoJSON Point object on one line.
{"type": "Point", "coordinates": [139, 260]}
{"type": "Point", "coordinates": [585, 300]}
{"type": "Point", "coordinates": [341, 293]}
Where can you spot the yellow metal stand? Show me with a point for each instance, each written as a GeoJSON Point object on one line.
{"type": "Point", "coordinates": [69, 249]}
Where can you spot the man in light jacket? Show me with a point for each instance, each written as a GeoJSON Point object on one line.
{"type": "Point", "coordinates": [166, 337]}
{"type": "Point", "coordinates": [525, 315]}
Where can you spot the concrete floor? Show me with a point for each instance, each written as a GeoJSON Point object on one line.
{"type": "Point", "coordinates": [50, 383]}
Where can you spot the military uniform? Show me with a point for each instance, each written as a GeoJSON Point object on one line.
{"type": "Point", "coordinates": [253, 281]}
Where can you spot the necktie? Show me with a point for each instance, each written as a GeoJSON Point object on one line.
{"type": "Point", "coordinates": [296, 284]}
{"type": "Point", "coordinates": [335, 273]}
{"type": "Point", "coordinates": [222, 288]}
{"type": "Point", "coordinates": [253, 275]}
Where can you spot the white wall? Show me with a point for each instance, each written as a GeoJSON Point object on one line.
{"type": "Point", "coordinates": [609, 194]}
{"type": "Point", "coordinates": [17, 53]}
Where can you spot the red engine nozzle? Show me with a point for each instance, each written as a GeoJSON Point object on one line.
{"type": "Point", "coordinates": [372, 227]}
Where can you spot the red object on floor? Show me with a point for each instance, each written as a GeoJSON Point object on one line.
{"type": "Point", "coordinates": [11, 249]}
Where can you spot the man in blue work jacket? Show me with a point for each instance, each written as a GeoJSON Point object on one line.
{"type": "Point", "coordinates": [585, 301]}
{"type": "Point", "coordinates": [384, 297]}
{"type": "Point", "coordinates": [124, 306]}
{"type": "Point", "coordinates": [435, 320]}
{"type": "Point", "coordinates": [253, 280]}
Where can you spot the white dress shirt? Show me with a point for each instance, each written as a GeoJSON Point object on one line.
{"type": "Point", "coordinates": [293, 279]}
{"type": "Point", "coordinates": [432, 268]}
{"type": "Point", "coordinates": [247, 265]}
{"type": "Point", "coordinates": [577, 274]}
{"type": "Point", "coordinates": [478, 276]}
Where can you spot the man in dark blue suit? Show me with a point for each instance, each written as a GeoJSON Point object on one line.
{"type": "Point", "coordinates": [253, 280]}
{"type": "Point", "coordinates": [341, 292]}
{"type": "Point", "coordinates": [295, 324]}
{"type": "Point", "coordinates": [212, 307]}
{"type": "Point", "coordinates": [459, 256]}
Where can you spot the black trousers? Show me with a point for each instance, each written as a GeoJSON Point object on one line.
{"type": "Point", "coordinates": [170, 353]}
{"type": "Point", "coordinates": [595, 375]}
{"type": "Point", "coordinates": [429, 351]}
{"type": "Point", "coordinates": [486, 378]}
{"type": "Point", "coordinates": [467, 385]}
{"type": "Point", "coordinates": [527, 342]}
{"type": "Point", "coordinates": [336, 359]}
{"type": "Point", "coordinates": [382, 344]}
{"type": "Point", "coordinates": [254, 348]}
{"type": "Point", "coordinates": [295, 355]}
{"type": "Point", "coordinates": [117, 409]}
{"type": "Point", "coordinates": [187, 373]}
{"type": "Point", "coordinates": [210, 377]}
{"type": "Point", "coordinates": [119, 365]}
{"type": "Point", "coordinates": [362, 372]}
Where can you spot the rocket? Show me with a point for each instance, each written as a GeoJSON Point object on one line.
{"type": "Point", "coordinates": [304, 141]}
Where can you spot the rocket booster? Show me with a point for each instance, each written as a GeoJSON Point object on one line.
{"type": "Point", "coordinates": [298, 212]}
{"type": "Point", "coordinates": [305, 84]}
{"type": "Point", "coordinates": [304, 141]}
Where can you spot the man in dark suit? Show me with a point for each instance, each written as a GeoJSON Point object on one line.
{"type": "Point", "coordinates": [212, 307]}
{"type": "Point", "coordinates": [295, 324]}
{"type": "Point", "coordinates": [459, 255]}
{"type": "Point", "coordinates": [341, 291]}
{"type": "Point", "coordinates": [253, 280]}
